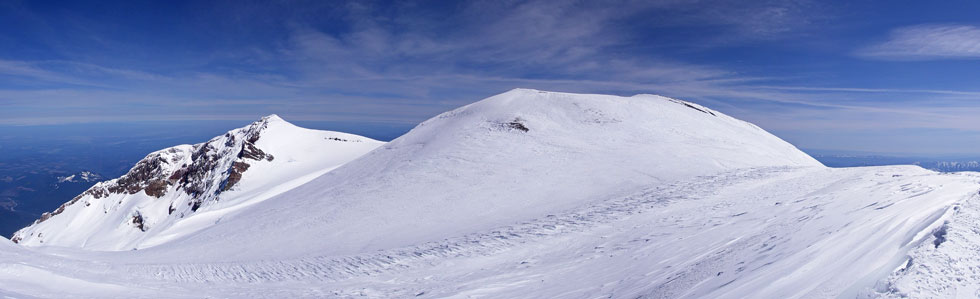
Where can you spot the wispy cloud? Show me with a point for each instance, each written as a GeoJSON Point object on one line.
{"type": "Point", "coordinates": [402, 64]}
{"type": "Point", "coordinates": [927, 42]}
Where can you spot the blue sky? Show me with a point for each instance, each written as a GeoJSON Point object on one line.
{"type": "Point", "coordinates": [886, 77]}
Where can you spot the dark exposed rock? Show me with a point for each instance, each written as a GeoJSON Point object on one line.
{"type": "Point", "coordinates": [252, 137]}
{"type": "Point", "coordinates": [689, 105]}
{"type": "Point", "coordinates": [194, 178]}
{"type": "Point", "coordinates": [231, 139]}
{"type": "Point", "coordinates": [517, 125]}
{"type": "Point", "coordinates": [343, 140]}
{"type": "Point", "coordinates": [178, 175]}
{"type": "Point", "coordinates": [138, 221]}
{"type": "Point", "coordinates": [237, 169]}
{"type": "Point", "coordinates": [249, 151]}
{"type": "Point", "coordinates": [139, 177]}
{"type": "Point", "coordinates": [46, 215]}
{"type": "Point", "coordinates": [699, 109]}
{"type": "Point", "coordinates": [940, 235]}
{"type": "Point", "coordinates": [156, 188]}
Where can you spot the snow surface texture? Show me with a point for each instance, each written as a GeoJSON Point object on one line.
{"type": "Point", "coordinates": [532, 194]}
{"type": "Point", "coordinates": [947, 267]}
{"type": "Point", "coordinates": [196, 185]}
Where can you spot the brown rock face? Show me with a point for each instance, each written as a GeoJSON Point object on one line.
{"type": "Point", "coordinates": [156, 188]}
{"type": "Point", "coordinates": [148, 174]}
{"type": "Point", "coordinates": [249, 151]}
{"type": "Point", "coordinates": [201, 176]}
{"type": "Point", "coordinates": [138, 178]}
{"type": "Point", "coordinates": [237, 169]}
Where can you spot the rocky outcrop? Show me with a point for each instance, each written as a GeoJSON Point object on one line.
{"type": "Point", "coordinates": [187, 182]}
{"type": "Point", "coordinates": [201, 171]}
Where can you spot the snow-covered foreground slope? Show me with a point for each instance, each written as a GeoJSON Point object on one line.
{"type": "Point", "coordinates": [949, 266]}
{"type": "Point", "coordinates": [180, 190]}
{"type": "Point", "coordinates": [27, 274]}
{"type": "Point", "coordinates": [533, 194]}
{"type": "Point", "coordinates": [751, 233]}
{"type": "Point", "coordinates": [755, 233]}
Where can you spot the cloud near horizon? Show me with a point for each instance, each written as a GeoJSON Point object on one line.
{"type": "Point", "coordinates": [927, 42]}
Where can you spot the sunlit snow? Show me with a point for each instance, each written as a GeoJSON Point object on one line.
{"type": "Point", "coordinates": [527, 194]}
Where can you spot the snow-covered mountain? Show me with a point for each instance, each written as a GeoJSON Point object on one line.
{"type": "Point", "coordinates": [953, 166]}
{"type": "Point", "coordinates": [509, 158]}
{"type": "Point", "coordinates": [532, 194]}
{"type": "Point", "coordinates": [185, 188]}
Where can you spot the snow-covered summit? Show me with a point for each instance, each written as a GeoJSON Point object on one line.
{"type": "Point", "coordinates": [508, 158]}
{"type": "Point", "coordinates": [172, 184]}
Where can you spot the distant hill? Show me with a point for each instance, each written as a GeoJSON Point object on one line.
{"type": "Point", "coordinates": [937, 164]}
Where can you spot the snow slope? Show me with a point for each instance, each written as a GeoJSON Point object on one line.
{"type": "Point", "coordinates": [179, 190]}
{"type": "Point", "coordinates": [534, 194]}
{"type": "Point", "coordinates": [774, 232]}
{"type": "Point", "coordinates": [947, 267]}
{"type": "Point", "coordinates": [754, 233]}
{"type": "Point", "coordinates": [475, 168]}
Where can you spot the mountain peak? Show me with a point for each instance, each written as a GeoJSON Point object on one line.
{"type": "Point", "coordinates": [531, 91]}
{"type": "Point", "coordinates": [265, 121]}
{"type": "Point", "coordinates": [563, 109]}
{"type": "Point", "coordinates": [170, 184]}
{"type": "Point", "coordinates": [271, 122]}
{"type": "Point", "coordinates": [519, 92]}
{"type": "Point", "coordinates": [272, 118]}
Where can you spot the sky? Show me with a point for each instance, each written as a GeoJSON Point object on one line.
{"type": "Point", "coordinates": [859, 76]}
